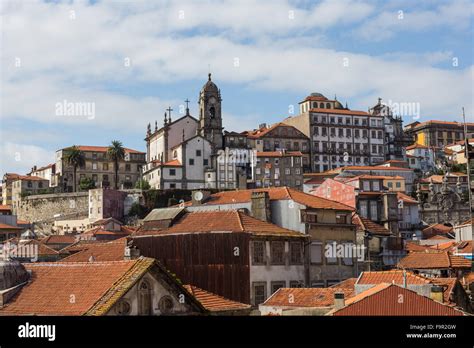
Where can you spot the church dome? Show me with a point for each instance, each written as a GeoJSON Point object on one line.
{"type": "Point", "coordinates": [12, 273]}
{"type": "Point", "coordinates": [210, 86]}
{"type": "Point", "coordinates": [317, 95]}
{"type": "Point", "coordinates": [338, 105]}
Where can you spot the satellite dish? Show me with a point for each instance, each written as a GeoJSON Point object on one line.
{"type": "Point", "coordinates": [198, 196]}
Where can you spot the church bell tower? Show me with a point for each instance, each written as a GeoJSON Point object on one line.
{"type": "Point", "coordinates": [210, 116]}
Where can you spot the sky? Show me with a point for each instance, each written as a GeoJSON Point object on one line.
{"type": "Point", "coordinates": [128, 61]}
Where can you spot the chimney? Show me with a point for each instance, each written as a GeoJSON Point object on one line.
{"type": "Point", "coordinates": [262, 125]}
{"type": "Point", "coordinates": [261, 205]}
{"type": "Point", "coordinates": [339, 301]}
{"type": "Point", "coordinates": [437, 293]}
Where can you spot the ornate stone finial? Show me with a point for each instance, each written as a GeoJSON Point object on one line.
{"type": "Point", "coordinates": [183, 135]}
{"type": "Point", "coordinates": [335, 97]}
{"type": "Point", "coordinates": [156, 125]}
{"type": "Point", "coordinates": [347, 106]}
{"type": "Point", "coordinates": [380, 101]}
{"type": "Point", "coordinates": [148, 129]}
{"type": "Point", "coordinates": [209, 76]}
{"type": "Point", "coordinates": [166, 120]}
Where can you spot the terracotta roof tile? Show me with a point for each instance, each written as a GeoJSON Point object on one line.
{"type": "Point", "coordinates": [276, 194]}
{"type": "Point", "coordinates": [109, 251]}
{"type": "Point", "coordinates": [52, 284]}
{"type": "Point", "coordinates": [8, 227]}
{"type": "Point", "coordinates": [396, 276]}
{"type": "Point", "coordinates": [365, 224]}
{"type": "Point", "coordinates": [256, 134]}
{"type": "Point", "coordinates": [5, 207]}
{"type": "Point", "coordinates": [223, 221]}
{"type": "Point", "coordinates": [383, 300]}
{"type": "Point", "coordinates": [213, 302]}
{"type": "Point", "coordinates": [406, 199]}
{"type": "Point", "coordinates": [306, 297]}
{"type": "Point", "coordinates": [58, 239]}
{"type": "Point", "coordinates": [433, 260]}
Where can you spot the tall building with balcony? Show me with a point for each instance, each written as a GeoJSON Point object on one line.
{"type": "Point", "coordinates": [339, 136]}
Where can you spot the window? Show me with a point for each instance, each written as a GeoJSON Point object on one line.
{"type": "Point", "coordinates": [287, 171]}
{"type": "Point", "coordinates": [357, 133]}
{"type": "Point", "coordinates": [348, 247]}
{"type": "Point", "coordinates": [105, 166]}
{"type": "Point", "coordinates": [277, 285]}
{"type": "Point", "coordinates": [331, 257]}
{"type": "Point", "coordinates": [309, 217]}
{"type": "Point", "coordinates": [297, 171]}
{"type": "Point", "coordinates": [257, 171]}
{"type": "Point", "coordinates": [373, 210]}
{"type": "Point", "coordinates": [166, 304]}
{"type": "Point", "coordinates": [296, 253]}
{"type": "Point", "coordinates": [324, 131]}
{"type": "Point", "coordinates": [390, 184]}
{"type": "Point", "coordinates": [258, 255]}
{"type": "Point", "coordinates": [198, 153]}
{"type": "Point", "coordinates": [127, 167]}
{"type": "Point", "coordinates": [123, 307]}
{"type": "Point", "coordinates": [375, 186]}
{"type": "Point", "coordinates": [277, 252]}
{"type": "Point", "coordinates": [341, 132]}
{"type": "Point", "coordinates": [172, 172]}
{"type": "Point", "coordinates": [366, 185]}
{"type": "Point", "coordinates": [172, 186]}
{"type": "Point", "coordinates": [296, 284]}
{"type": "Point", "coordinates": [206, 162]}
{"type": "Point", "coordinates": [94, 166]}
{"type": "Point", "coordinates": [341, 218]}
{"type": "Point", "coordinates": [191, 161]}
{"type": "Point", "coordinates": [348, 133]}
{"type": "Point", "coordinates": [363, 208]}
{"type": "Point", "coordinates": [259, 292]}
{"type": "Point", "coordinates": [398, 184]}
{"type": "Point", "coordinates": [144, 298]}
{"type": "Point", "coordinates": [316, 251]}
{"type": "Point", "coordinates": [40, 184]}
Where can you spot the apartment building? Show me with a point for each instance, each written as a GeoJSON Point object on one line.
{"type": "Point", "coordinates": [25, 185]}
{"type": "Point", "coordinates": [438, 133]}
{"type": "Point", "coordinates": [47, 172]}
{"type": "Point", "coordinates": [278, 168]}
{"type": "Point", "coordinates": [280, 137]}
{"type": "Point", "coordinates": [100, 168]}
{"type": "Point", "coordinates": [339, 136]}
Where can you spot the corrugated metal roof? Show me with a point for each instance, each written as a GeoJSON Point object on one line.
{"type": "Point", "coordinates": [163, 214]}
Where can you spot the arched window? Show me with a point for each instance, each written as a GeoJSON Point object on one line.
{"type": "Point", "coordinates": [144, 298]}
{"type": "Point", "coordinates": [321, 105]}
{"type": "Point", "coordinates": [175, 154]}
{"type": "Point", "coordinates": [212, 111]}
{"type": "Point", "coordinates": [315, 105]}
{"type": "Point", "coordinates": [328, 105]}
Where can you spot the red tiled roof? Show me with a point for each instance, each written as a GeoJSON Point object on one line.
{"type": "Point", "coordinates": [5, 207]}
{"type": "Point", "coordinates": [52, 284]}
{"type": "Point", "coordinates": [255, 134]}
{"type": "Point", "coordinates": [345, 284]}
{"type": "Point", "coordinates": [109, 251]}
{"type": "Point", "coordinates": [437, 228]}
{"type": "Point", "coordinates": [394, 276]}
{"type": "Point", "coordinates": [30, 178]}
{"type": "Point", "coordinates": [463, 247]}
{"type": "Point", "coordinates": [406, 199]}
{"type": "Point", "coordinates": [438, 237]}
{"type": "Point", "coordinates": [223, 221]}
{"type": "Point", "coordinates": [306, 297]}
{"type": "Point", "coordinates": [340, 112]}
{"type": "Point", "coordinates": [365, 224]}
{"type": "Point", "coordinates": [384, 300]}
{"type": "Point", "coordinates": [43, 250]}
{"type": "Point", "coordinates": [99, 231]}
{"type": "Point", "coordinates": [101, 149]}
{"type": "Point", "coordinates": [416, 146]}
{"type": "Point", "coordinates": [275, 194]}
{"type": "Point", "coordinates": [448, 285]}
{"type": "Point", "coordinates": [279, 154]}
{"type": "Point", "coordinates": [58, 239]}
{"type": "Point", "coordinates": [8, 227]}
{"type": "Point", "coordinates": [375, 168]}
{"type": "Point", "coordinates": [433, 260]}
{"type": "Point", "coordinates": [426, 123]}
{"type": "Point", "coordinates": [443, 246]}
{"type": "Point", "coordinates": [172, 163]}
{"type": "Point", "coordinates": [213, 302]}
{"type": "Point", "coordinates": [411, 246]}
{"type": "Point", "coordinates": [22, 222]}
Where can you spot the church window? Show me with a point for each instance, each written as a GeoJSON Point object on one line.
{"type": "Point", "coordinates": [212, 111]}
{"type": "Point", "coordinates": [144, 303]}
{"type": "Point", "coordinates": [315, 105]}
{"type": "Point", "coordinates": [166, 304]}
{"type": "Point", "coordinates": [198, 153]}
{"type": "Point", "coordinates": [123, 307]}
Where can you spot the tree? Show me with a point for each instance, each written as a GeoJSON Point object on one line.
{"type": "Point", "coordinates": [138, 210]}
{"type": "Point", "coordinates": [116, 153]}
{"type": "Point", "coordinates": [142, 184]}
{"type": "Point", "coordinates": [86, 184]}
{"type": "Point", "coordinates": [74, 157]}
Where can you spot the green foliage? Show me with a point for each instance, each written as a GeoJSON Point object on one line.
{"type": "Point", "coordinates": [116, 153]}
{"type": "Point", "coordinates": [86, 184]}
{"type": "Point", "coordinates": [138, 210]}
{"type": "Point", "coordinates": [461, 168]}
{"type": "Point", "coordinates": [142, 184]}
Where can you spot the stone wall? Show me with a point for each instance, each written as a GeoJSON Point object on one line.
{"type": "Point", "coordinates": [45, 209]}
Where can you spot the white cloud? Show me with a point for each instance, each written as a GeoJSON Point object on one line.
{"type": "Point", "coordinates": [20, 158]}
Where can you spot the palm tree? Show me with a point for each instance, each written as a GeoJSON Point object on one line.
{"type": "Point", "coordinates": [116, 153]}
{"type": "Point", "coordinates": [74, 157]}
